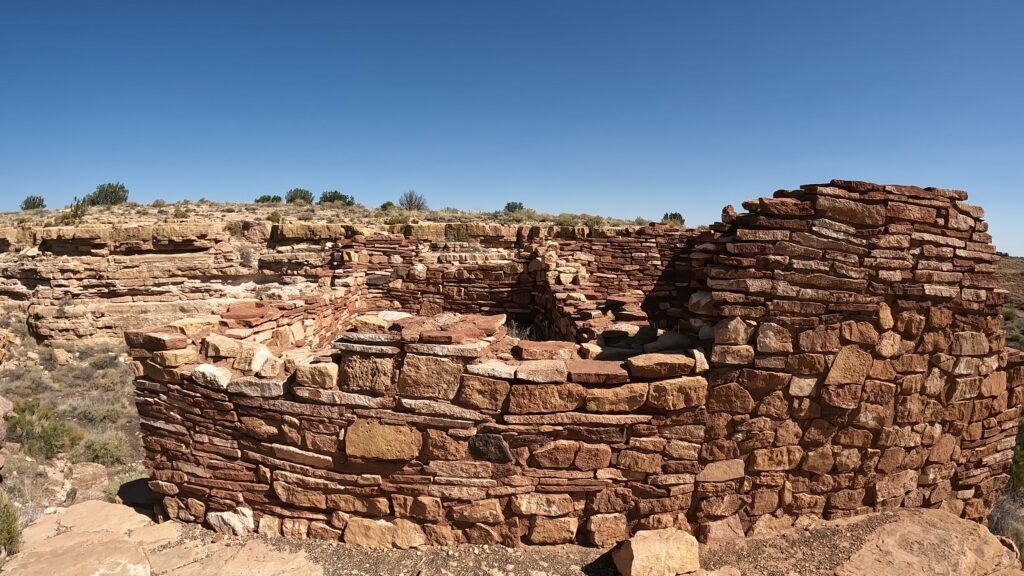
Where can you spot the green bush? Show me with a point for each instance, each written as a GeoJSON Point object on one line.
{"type": "Point", "coordinates": [674, 218]}
{"type": "Point", "coordinates": [398, 219]}
{"type": "Point", "coordinates": [1010, 314]}
{"type": "Point", "coordinates": [42, 435]}
{"type": "Point", "coordinates": [335, 197]}
{"type": "Point", "coordinates": [387, 206]}
{"type": "Point", "coordinates": [181, 212]}
{"type": "Point", "coordinates": [268, 199]}
{"type": "Point", "coordinates": [299, 196]}
{"type": "Point", "coordinates": [109, 194]}
{"type": "Point", "coordinates": [10, 528]}
{"type": "Point", "coordinates": [33, 203]}
{"type": "Point", "coordinates": [158, 203]}
{"type": "Point", "coordinates": [275, 217]}
{"type": "Point", "coordinates": [74, 214]}
{"type": "Point", "coordinates": [109, 449]}
{"type": "Point", "coordinates": [514, 207]}
{"type": "Point", "coordinates": [413, 201]}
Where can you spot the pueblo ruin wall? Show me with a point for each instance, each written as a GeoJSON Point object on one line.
{"type": "Point", "coordinates": [834, 350]}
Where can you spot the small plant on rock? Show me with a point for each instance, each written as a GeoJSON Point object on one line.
{"type": "Point", "coordinates": [10, 528]}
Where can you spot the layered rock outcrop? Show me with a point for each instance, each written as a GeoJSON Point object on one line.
{"type": "Point", "coordinates": [834, 351]}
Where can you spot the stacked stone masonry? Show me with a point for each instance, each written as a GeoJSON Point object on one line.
{"type": "Point", "coordinates": [834, 350]}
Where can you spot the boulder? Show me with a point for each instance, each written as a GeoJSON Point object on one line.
{"type": "Point", "coordinates": [664, 552]}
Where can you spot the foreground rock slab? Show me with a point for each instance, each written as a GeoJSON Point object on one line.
{"type": "Point", "coordinates": [664, 552]}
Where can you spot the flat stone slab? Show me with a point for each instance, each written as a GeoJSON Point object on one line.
{"type": "Point", "coordinates": [596, 372]}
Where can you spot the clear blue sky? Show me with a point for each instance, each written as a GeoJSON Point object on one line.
{"type": "Point", "coordinates": [616, 108]}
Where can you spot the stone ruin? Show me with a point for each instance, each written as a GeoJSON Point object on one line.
{"type": "Point", "coordinates": [833, 351]}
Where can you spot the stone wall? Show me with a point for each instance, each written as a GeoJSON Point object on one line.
{"type": "Point", "coordinates": [835, 350]}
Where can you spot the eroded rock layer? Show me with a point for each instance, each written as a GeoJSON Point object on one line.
{"type": "Point", "coordinates": [834, 351]}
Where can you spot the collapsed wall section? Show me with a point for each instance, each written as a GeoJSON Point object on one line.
{"type": "Point", "coordinates": [839, 351]}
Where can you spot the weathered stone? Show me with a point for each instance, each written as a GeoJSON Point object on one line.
{"type": "Point", "coordinates": [851, 366]}
{"type": "Point", "coordinates": [545, 530]}
{"type": "Point", "coordinates": [665, 552]}
{"type": "Point", "coordinates": [773, 339]}
{"type": "Point", "coordinates": [322, 375]}
{"type": "Point", "coordinates": [491, 447]}
{"type": "Point", "coordinates": [624, 398]}
{"type": "Point", "coordinates": [542, 504]}
{"type": "Point", "coordinates": [376, 441]}
{"type": "Point", "coordinates": [659, 365]}
{"type": "Point", "coordinates": [606, 530]}
{"type": "Point", "coordinates": [482, 393]}
{"type": "Point", "coordinates": [541, 398]}
{"type": "Point", "coordinates": [361, 373]}
{"type": "Point", "coordinates": [678, 393]}
{"type": "Point", "coordinates": [542, 371]}
{"type": "Point", "coordinates": [732, 331]}
{"type": "Point", "coordinates": [429, 377]}
{"type": "Point", "coordinates": [211, 376]}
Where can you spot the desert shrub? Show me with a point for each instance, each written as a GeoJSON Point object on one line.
{"type": "Point", "coordinates": [1010, 314]}
{"type": "Point", "coordinates": [109, 194]}
{"type": "Point", "coordinates": [398, 219]}
{"type": "Point", "coordinates": [230, 209]}
{"type": "Point", "coordinates": [299, 196]}
{"type": "Point", "coordinates": [42, 435]}
{"type": "Point", "coordinates": [387, 206]}
{"type": "Point", "coordinates": [520, 330]}
{"type": "Point", "coordinates": [158, 203]}
{"type": "Point", "coordinates": [674, 218]}
{"type": "Point", "coordinates": [33, 203]}
{"type": "Point", "coordinates": [453, 234]}
{"type": "Point", "coordinates": [274, 217]}
{"type": "Point", "coordinates": [412, 201]}
{"type": "Point", "coordinates": [181, 212]}
{"type": "Point", "coordinates": [235, 228]}
{"type": "Point", "coordinates": [1007, 517]}
{"type": "Point", "coordinates": [268, 199]}
{"type": "Point", "coordinates": [335, 197]}
{"type": "Point", "coordinates": [514, 207]}
{"type": "Point", "coordinates": [109, 449]}
{"type": "Point", "coordinates": [74, 214]}
{"type": "Point", "coordinates": [10, 529]}
{"type": "Point", "coordinates": [641, 221]}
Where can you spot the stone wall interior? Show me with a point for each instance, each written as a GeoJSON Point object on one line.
{"type": "Point", "coordinates": [834, 350]}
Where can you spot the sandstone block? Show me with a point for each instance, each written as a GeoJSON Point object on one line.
{"type": "Point", "coordinates": [665, 552]}
{"type": "Point", "coordinates": [363, 373]}
{"type": "Point", "coordinates": [659, 365]}
{"type": "Point", "coordinates": [320, 375]}
{"type": "Point", "coordinates": [624, 398]}
{"type": "Point", "coordinates": [543, 398]}
{"type": "Point", "coordinates": [605, 530]}
{"type": "Point", "coordinates": [545, 530]}
{"type": "Point", "coordinates": [543, 371]}
{"type": "Point", "coordinates": [211, 376]}
{"type": "Point", "coordinates": [678, 393]}
{"type": "Point", "coordinates": [851, 366]}
{"type": "Point", "coordinates": [429, 377]}
{"type": "Point", "coordinates": [542, 504]}
{"type": "Point", "coordinates": [376, 441]}
{"type": "Point", "coordinates": [482, 393]}
{"type": "Point", "coordinates": [369, 533]}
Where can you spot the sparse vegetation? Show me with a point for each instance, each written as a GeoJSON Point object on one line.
{"type": "Point", "coordinates": [33, 203]}
{"type": "Point", "coordinates": [673, 218]}
{"type": "Point", "coordinates": [268, 199]}
{"type": "Point", "coordinates": [274, 217]}
{"type": "Point", "coordinates": [299, 196]}
{"type": "Point", "coordinates": [74, 214]}
{"type": "Point", "coordinates": [108, 448]}
{"type": "Point", "coordinates": [235, 228]}
{"type": "Point", "coordinates": [335, 197]}
{"type": "Point", "coordinates": [387, 206]}
{"type": "Point", "coordinates": [181, 212]}
{"type": "Point", "coordinates": [108, 194]}
{"type": "Point", "coordinates": [42, 435]}
{"type": "Point", "coordinates": [132, 473]}
{"type": "Point", "coordinates": [413, 201]}
{"type": "Point", "coordinates": [398, 219]}
{"type": "Point", "coordinates": [457, 234]}
{"type": "Point", "coordinates": [10, 528]}
{"type": "Point", "coordinates": [158, 203]}
{"type": "Point", "coordinates": [514, 207]}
